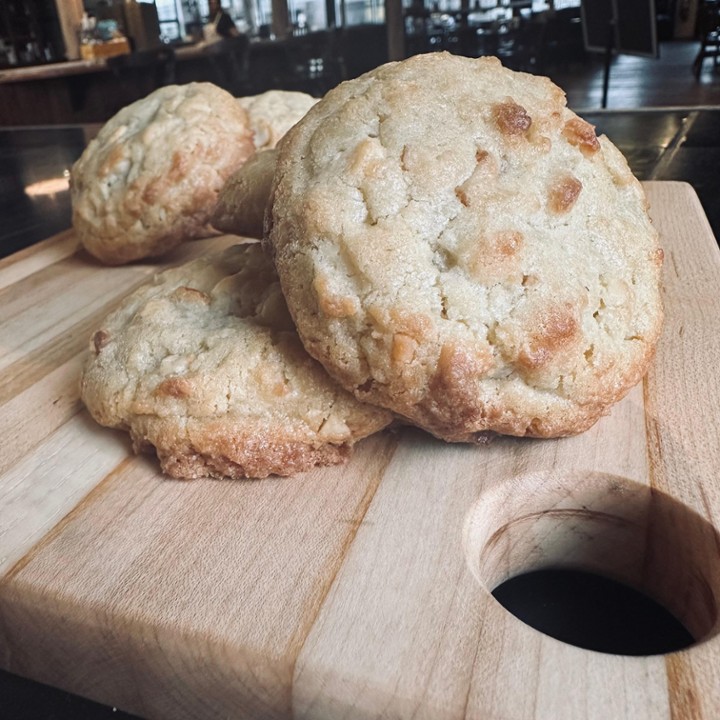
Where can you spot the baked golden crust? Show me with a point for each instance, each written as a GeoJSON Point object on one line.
{"type": "Point", "coordinates": [151, 177]}
{"type": "Point", "coordinates": [204, 365]}
{"type": "Point", "coordinates": [458, 246]}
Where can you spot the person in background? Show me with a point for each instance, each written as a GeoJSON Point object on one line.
{"type": "Point", "coordinates": [221, 20]}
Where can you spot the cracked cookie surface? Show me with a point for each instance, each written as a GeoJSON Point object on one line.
{"type": "Point", "coordinates": [204, 365]}
{"type": "Point", "coordinates": [458, 246]}
{"type": "Point", "coordinates": [151, 178]}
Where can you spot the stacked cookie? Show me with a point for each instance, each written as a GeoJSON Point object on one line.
{"type": "Point", "coordinates": [151, 178]}
{"type": "Point", "coordinates": [205, 366]}
{"type": "Point", "coordinates": [456, 249]}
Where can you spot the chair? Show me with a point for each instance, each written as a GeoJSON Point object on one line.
{"type": "Point", "coordinates": [563, 41]}
{"type": "Point", "coordinates": [155, 66]}
{"type": "Point", "coordinates": [522, 46]}
{"type": "Point", "coordinates": [228, 59]}
{"type": "Point", "coordinates": [139, 73]}
{"type": "Point", "coordinates": [709, 32]}
{"type": "Point", "coordinates": [314, 65]}
{"type": "Point", "coordinates": [268, 66]}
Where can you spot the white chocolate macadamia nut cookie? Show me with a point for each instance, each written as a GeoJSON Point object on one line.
{"type": "Point", "coordinates": [204, 365]}
{"type": "Point", "coordinates": [241, 203]}
{"type": "Point", "coordinates": [458, 246]}
{"type": "Point", "coordinates": [151, 178]}
{"type": "Point", "coordinates": [273, 113]}
{"type": "Point", "coordinates": [240, 208]}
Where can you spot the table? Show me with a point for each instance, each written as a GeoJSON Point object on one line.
{"type": "Point", "coordinates": [677, 144]}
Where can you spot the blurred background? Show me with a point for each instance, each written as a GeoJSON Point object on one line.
{"type": "Point", "coordinates": [79, 61]}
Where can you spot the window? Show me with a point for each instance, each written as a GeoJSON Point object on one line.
{"type": "Point", "coordinates": [177, 16]}
{"type": "Point", "coordinates": [360, 12]}
{"type": "Point", "coordinates": [171, 20]}
{"type": "Point", "coordinates": [308, 15]}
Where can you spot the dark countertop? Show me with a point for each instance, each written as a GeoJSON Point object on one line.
{"type": "Point", "coordinates": [669, 144]}
{"type": "Point", "coordinates": [34, 196]}
{"type": "Point", "coordinates": [674, 144]}
{"type": "Point", "coordinates": [52, 70]}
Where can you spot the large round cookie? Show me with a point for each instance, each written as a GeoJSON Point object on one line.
{"type": "Point", "coordinates": [458, 246]}
{"type": "Point", "coordinates": [151, 177]}
{"type": "Point", "coordinates": [204, 365]}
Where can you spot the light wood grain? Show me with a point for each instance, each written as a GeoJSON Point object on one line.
{"type": "Point", "coordinates": [36, 492]}
{"type": "Point", "coordinates": [398, 646]}
{"type": "Point", "coordinates": [36, 257]}
{"type": "Point", "coordinates": [682, 410]}
{"type": "Point", "coordinates": [50, 458]}
{"type": "Point", "coordinates": [188, 581]}
{"type": "Point", "coordinates": [362, 591]}
{"type": "Point", "coordinates": [31, 415]}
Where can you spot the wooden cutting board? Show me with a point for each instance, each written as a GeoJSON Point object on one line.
{"type": "Point", "coordinates": [361, 591]}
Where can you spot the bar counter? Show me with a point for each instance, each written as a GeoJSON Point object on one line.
{"type": "Point", "coordinates": [91, 91]}
{"type": "Point", "coordinates": [69, 68]}
{"type": "Point", "coordinates": [669, 144]}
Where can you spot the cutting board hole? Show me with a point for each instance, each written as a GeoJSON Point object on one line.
{"type": "Point", "coordinates": [567, 554]}
{"type": "Point", "coordinates": [592, 612]}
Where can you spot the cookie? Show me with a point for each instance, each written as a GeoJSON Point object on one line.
{"type": "Point", "coordinates": [456, 245]}
{"type": "Point", "coordinates": [151, 177]}
{"type": "Point", "coordinates": [273, 113]}
{"type": "Point", "coordinates": [204, 365]}
{"type": "Point", "coordinates": [241, 204]}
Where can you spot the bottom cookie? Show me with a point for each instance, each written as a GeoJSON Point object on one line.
{"type": "Point", "coordinates": [205, 366]}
